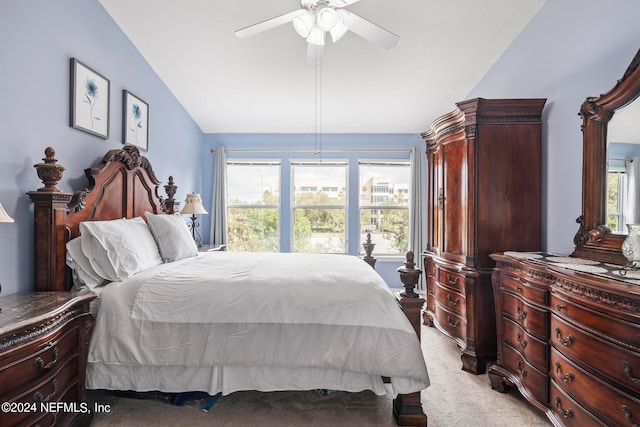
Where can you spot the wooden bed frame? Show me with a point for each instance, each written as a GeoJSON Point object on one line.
{"type": "Point", "coordinates": [124, 185]}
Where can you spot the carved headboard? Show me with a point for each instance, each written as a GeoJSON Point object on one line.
{"type": "Point", "coordinates": [123, 185]}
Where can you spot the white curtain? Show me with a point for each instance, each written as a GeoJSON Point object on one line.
{"type": "Point", "coordinates": [219, 198]}
{"type": "Point", "coordinates": [418, 208]}
{"type": "Point", "coordinates": [632, 211]}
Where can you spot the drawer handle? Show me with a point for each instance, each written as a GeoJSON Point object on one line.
{"type": "Point", "coordinates": [560, 307]}
{"type": "Point", "coordinates": [566, 378]}
{"type": "Point", "coordinates": [518, 288]}
{"type": "Point", "coordinates": [628, 414]}
{"type": "Point", "coordinates": [39, 397]}
{"type": "Point", "coordinates": [521, 315]}
{"type": "Point", "coordinates": [566, 342]}
{"type": "Point", "coordinates": [627, 371]}
{"type": "Point", "coordinates": [568, 413]}
{"type": "Point", "coordinates": [521, 342]}
{"type": "Point", "coordinates": [452, 301]}
{"type": "Point", "coordinates": [453, 325]}
{"type": "Point", "coordinates": [521, 371]}
{"type": "Point", "coordinates": [452, 280]}
{"type": "Point", "coordinates": [39, 363]}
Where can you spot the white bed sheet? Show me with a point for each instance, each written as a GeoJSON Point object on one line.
{"type": "Point", "coordinates": [228, 321]}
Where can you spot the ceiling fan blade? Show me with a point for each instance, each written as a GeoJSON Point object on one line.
{"type": "Point", "coordinates": [314, 55]}
{"type": "Point", "coordinates": [342, 3]}
{"type": "Point", "coordinates": [370, 31]}
{"type": "Point", "coordinates": [269, 23]}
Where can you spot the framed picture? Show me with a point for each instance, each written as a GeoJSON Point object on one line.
{"type": "Point", "coordinates": [135, 121]}
{"type": "Point", "coordinates": [89, 106]}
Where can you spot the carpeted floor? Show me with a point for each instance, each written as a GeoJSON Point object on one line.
{"type": "Point", "coordinates": [455, 398]}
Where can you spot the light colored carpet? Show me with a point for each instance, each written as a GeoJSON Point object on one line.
{"type": "Point", "coordinates": [455, 398]}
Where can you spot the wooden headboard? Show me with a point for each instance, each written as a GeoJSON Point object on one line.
{"type": "Point", "coordinates": [123, 185]}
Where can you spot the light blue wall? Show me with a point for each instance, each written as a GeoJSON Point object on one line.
{"type": "Point", "coordinates": [289, 147]}
{"type": "Point", "coordinates": [37, 38]}
{"type": "Point", "coordinates": [572, 49]}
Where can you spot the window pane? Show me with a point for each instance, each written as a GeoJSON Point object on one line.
{"type": "Point", "coordinates": [384, 206]}
{"type": "Point", "coordinates": [318, 227]}
{"type": "Point", "coordinates": [253, 197]}
{"type": "Point", "coordinates": [253, 229]}
{"type": "Point", "coordinates": [384, 184]}
{"type": "Point", "coordinates": [319, 230]}
{"type": "Point", "coordinates": [319, 184]}
{"type": "Point", "coordinates": [253, 184]}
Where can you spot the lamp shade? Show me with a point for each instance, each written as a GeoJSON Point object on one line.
{"type": "Point", "coordinates": [4, 216]}
{"type": "Point", "coordinates": [316, 36]}
{"type": "Point", "coordinates": [193, 205]}
{"type": "Point", "coordinates": [303, 24]}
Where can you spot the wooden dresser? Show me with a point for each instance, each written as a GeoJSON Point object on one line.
{"type": "Point", "coordinates": [569, 338]}
{"type": "Point", "coordinates": [484, 163]}
{"type": "Point", "coordinates": [44, 338]}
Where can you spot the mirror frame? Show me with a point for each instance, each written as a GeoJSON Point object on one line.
{"type": "Point", "coordinates": [594, 239]}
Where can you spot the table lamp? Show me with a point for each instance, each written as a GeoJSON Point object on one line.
{"type": "Point", "coordinates": [4, 217]}
{"type": "Point", "coordinates": [193, 206]}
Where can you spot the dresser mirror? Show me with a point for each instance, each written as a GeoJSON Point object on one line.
{"type": "Point", "coordinates": [611, 122]}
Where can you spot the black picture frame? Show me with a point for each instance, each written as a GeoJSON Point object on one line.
{"type": "Point", "coordinates": [135, 121]}
{"type": "Point", "coordinates": [89, 105]}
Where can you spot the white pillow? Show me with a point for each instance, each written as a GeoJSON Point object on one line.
{"type": "Point", "coordinates": [83, 273]}
{"type": "Point", "coordinates": [119, 248]}
{"type": "Point", "coordinates": [172, 236]}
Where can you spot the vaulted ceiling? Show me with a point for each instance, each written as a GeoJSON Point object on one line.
{"type": "Point", "coordinates": [263, 84]}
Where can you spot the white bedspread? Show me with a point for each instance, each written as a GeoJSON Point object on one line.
{"type": "Point", "coordinates": [285, 316]}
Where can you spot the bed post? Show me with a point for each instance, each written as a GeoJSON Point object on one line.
{"type": "Point", "coordinates": [50, 213]}
{"type": "Point", "coordinates": [407, 408]}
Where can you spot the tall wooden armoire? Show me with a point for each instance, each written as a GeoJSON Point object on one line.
{"type": "Point", "coordinates": [484, 169]}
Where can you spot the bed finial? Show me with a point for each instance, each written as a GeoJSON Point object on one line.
{"type": "Point", "coordinates": [409, 276]}
{"type": "Point", "coordinates": [49, 172]}
{"type": "Point", "coordinates": [170, 203]}
{"type": "Point", "coordinates": [368, 248]}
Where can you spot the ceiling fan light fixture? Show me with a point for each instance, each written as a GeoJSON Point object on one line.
{"type": "Point", "coordinates": [338, 31]}
{"type": "Point", "coordinates": [316, 36]}
{"type": "Point", "coordinates": [327, 17]}
{"type": "Point", "coordinates": [304, 23]}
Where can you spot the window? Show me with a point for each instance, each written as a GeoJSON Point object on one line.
{"type": "Point", "coordinates": [616, 184]}
{"type": "Point", "coordinates": [253, 201]}
{"type": "Point", "coordinates": [319, 206]}
{"type": "Point", "coordinates": [384, 205]}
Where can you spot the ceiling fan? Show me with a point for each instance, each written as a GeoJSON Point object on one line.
{"type": "Point", "coordinates": [316, 18]}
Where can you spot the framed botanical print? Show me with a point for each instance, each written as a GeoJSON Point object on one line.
{"type": "Point", "coordinates": [135, 121]}
{"type": "Point", "coordinates": [89, 105]}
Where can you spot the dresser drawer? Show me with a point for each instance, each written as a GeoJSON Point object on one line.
{"type": "Point", "coordinates": [451, 279]}
{"type": "Point", "coordinates": [452, 300]}
{"type": "Point", "coordinates": [61, 387]}
{"type": "Point", "coordinates": [617, 363]}
{"type": "Point", "coordinates": [454, 325]}
{"type": "Point", "coordinates": [619, 330]}
{"type": "Point", "coordinates": [568, 412]}
{"type": "Point", "coordinates": [531, 318]}
{"type": "Point", "coordinates": [609, 402]}
{"type": "Point", "coordinates": [37, 361]}
{"type": "Point", "coordinates": [534, 381]}
{"type": "Point", "coordinates": [534, 350]}
{"type": "Point", "coordinates": [523, 289]}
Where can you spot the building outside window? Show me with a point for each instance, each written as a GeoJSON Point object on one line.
{"type": "Point", "coordinates": [253, 206]}
{"type": "Point", "coordinates": [384, 205]}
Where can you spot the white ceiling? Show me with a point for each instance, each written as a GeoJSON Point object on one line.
{"type": "Point", "coordinates": [262, 84]}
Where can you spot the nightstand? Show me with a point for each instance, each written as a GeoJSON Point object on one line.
{"type": "Point", "coordinates": [212, 248]}
{"type": "Point", "coordinates": [44, 339]}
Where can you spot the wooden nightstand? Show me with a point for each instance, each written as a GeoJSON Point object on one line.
{"type": "Point", "coordinates": [212, 248]}
{"type": "Point", "coordinates": [44, 339]}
